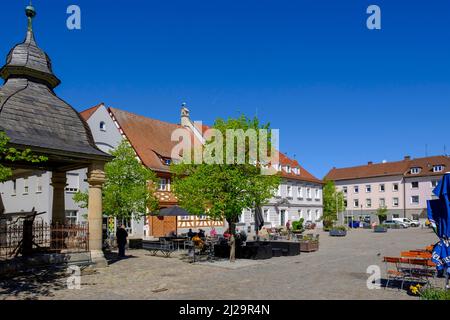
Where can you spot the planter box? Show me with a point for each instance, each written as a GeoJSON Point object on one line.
{"type": "Point", "coordinates": [309, 246]}
{"type": "Point", "coordinates": [338, 233]}
{"type": "Point", "coordinates": [380, 229]}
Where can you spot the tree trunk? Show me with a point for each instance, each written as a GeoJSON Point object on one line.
{"type": "Point", "coordinates": [232, 227]}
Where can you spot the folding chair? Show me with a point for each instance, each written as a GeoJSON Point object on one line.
{"type": "Point", "coordinates": [397, 274]}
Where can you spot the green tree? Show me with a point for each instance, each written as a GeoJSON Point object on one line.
{"type": "Point", "coordinates": [129, 187]}
{"type": "Point", "coordinates": [222, 190]}
{"type": "Point", "coordinates": [333, 202]}
{"type": "Point", "coordinates": [9, 154]}
{"type": "Point", "coordinates": [382, 214]}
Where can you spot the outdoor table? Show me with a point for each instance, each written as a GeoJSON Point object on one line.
{"type": "Point", "coordinates": [177, 241]}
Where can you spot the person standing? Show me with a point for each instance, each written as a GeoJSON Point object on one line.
{"type": "Point", "coordinates": [121, 236]}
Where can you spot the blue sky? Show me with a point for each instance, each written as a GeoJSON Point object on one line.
{"type": "Point", "coordinates": [340, 94]}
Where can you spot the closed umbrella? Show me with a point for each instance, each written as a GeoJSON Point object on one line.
{"type": "Point", "coordinates": [259, 221]}
{"type": "Point", "coordinates": [439, 217]}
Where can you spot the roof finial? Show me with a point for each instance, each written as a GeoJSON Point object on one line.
{"type": "Point", "coordinates": [31, 13]}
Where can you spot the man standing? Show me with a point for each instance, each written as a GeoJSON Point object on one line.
{"type": "Point", "coordinates": [121, 236]}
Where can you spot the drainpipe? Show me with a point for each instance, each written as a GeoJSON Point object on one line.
{"type": "Point", "coordinates": [404, 197]}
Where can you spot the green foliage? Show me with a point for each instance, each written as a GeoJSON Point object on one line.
{"type": "Point", "coordinates": [382, 214]}
{"type": "Point", "coordinates": [129, 186]}
{"type": "Point", "coordinates": [9, 154]}
{"type": "Point", "coordinates": [224, 189]}
{"type": "Point", "coordinates": [434, 294]}
{"type": "Point", "coordinates": [333, 202]}
{"type": "Point", "coordinates": [298, 225]}
{"type": "Point", "coordinates": [340, 228]}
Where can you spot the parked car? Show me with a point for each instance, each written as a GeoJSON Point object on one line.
{"type": "Point", "coordinates": [310, 225]}
{"type": "Point", "coordinates": [395, 224]}
{"type": "Point", "coordinates": [410, 223]}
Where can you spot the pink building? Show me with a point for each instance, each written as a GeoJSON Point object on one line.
{"type": "Point", "coordinates": [403, 187]}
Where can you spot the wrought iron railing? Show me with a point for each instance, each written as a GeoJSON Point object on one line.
{"type": "Point", "coordinates": [45, 238]}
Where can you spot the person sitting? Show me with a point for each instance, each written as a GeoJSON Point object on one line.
{"type": "Point", "coordinates": [201, 233]}
{"type": "Point", "coordinates": [198, 242]}
{"type": "Point", "coordinates": [213, 232]}
{"type": "Point", "coordinates": [190, 234]}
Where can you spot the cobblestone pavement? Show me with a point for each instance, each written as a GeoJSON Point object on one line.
{"type": "Point", "coordinates": [336, 271]}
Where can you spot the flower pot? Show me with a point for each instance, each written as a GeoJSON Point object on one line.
{"type": "Point", "coordinates": [379, 229]}
{"type": "Point", "coordinates": [309, 246]}
{"type": "Point", "coordinates": [338, 233]}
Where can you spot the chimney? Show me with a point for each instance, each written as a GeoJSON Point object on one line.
{"type": "Point", "coordinates": [185, 120]}
{"type": "Point", "coordinates": [370, 163]}
{"type": "Point", "coordinates": [407, 157]}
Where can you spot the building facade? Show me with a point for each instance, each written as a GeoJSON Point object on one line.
{"type": "Point", "coordinates": [298, 196]}
{"type": "Point", "coordinates": [402, 187]}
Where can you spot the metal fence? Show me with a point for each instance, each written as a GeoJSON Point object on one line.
{"type": "Point", "coordinates": [20, 239]}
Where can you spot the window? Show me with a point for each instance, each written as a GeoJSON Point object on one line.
{"type": "Point", "coordinates": [368, 188]}
{"type": "Point", "coordinates": [163, 184]}
{"type": "Point", "coordinates": [439, 168]}
{"type": "Point", "coordinates": [395, 187]}
{"type": "Point", "coordinates": [279, 191]}
{"type": "Point", "coordinates": [415, 200]}
{"type": "Point", "coordinates": [317, 194]}
{"type": "Point", "coordinates": [382, 202]}
{"type": "Point", "coordinates": [345, 203]}
{"type": "Point", "coordinates": [184, 217]}
{"type": "Point", "coordinates": [356, 203]}
{"type": "Point", "coordinates": [73, 182]}
{"type": "Point", "coordinates": [25, 186]}
{"type": "Point", "coordinates": [368, 203]}
{"type": "Point", "coordinates": [309, 214]}
{"type": "Point", "coordinates": [297, 170]}
{"type": "Point", "coordinates": [266, 215]}
{"type": "Point", "coordinates": [300, 214]}
{"type": "Point", "coordinates": [317, 215]}
{"type": "Point", "coordinates": [356, 189]}
{"type": "Point", "coordinates": [415, 170]}
{"type": "Point", "coordinates": [288, 169]}
{"type": "Point", "coordinates": [38, 183]}
{"type": "Point", "coordinates": [415, 185]}
{"type": "Point", "coordinates": [382, 187]}
{"type": "Point", "coordinates": [289, 191]}
{"type": "Point", "coordinates": [71, 217]}
{"type": "Point", "coordinates": [300, 192]}
{"type": "Point", "coordinates": [395, 202]}
{"type": "Point", "coordinates": [14, 187]}
{"type": "Point", "coordinates": [102, 126]}
{"type": "Point", "coordinates": [344, 189]}
{"type": "Point", "coordinates": [308, 193]}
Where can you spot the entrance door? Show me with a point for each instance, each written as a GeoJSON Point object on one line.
{"type": "Point", "coordinates": [161, 226]}
{"type": "Point", "coordinates": [283, 218]}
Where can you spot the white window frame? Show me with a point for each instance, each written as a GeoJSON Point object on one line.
{"type": "Point", "coordinates": [300, 192]}
{"type": "Point", "coordinates": [395, 204]}
{"type": "Point", "coordinates": [368, 188]}
{"type": "Point", "coordinates": [368, 203]}
{"type": "Point", "coordinates": [356, 189]}
{"type": "Point", "coordinates": [26, 186]}
{"type": "Point", "coordinates": [355, 203]}
{"type": "Point", "coordinates": [382, 202]}
{"type": "Point", "coordinates": [415, 170]}
{"type": "Point", "coordinates": [412, 186]}
{"type": "Point", "coordinates": [102, 126]}
{"type": "Point", "coordinates": [418, 200]}
{"type": "Point", "coordinates": [289, 191]}
{"type": "Point", "coordinates": [393, 187]}
{"type": "Point", "coordinates": [438, 168]}
{"type": "Point", "coordinates": [163, 184]}
{"type": "Point", "coordinates": [382, 187]}
{"type": "Point", "coordinates": [39, 183]}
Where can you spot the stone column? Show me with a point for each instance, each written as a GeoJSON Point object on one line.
{"type": "Point", "coordinates": [96, 178]}
{"type": "Point", "coordinates": [59, 182]}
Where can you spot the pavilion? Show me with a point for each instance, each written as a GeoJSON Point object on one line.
{"type": "Point", "coordinates": [35, 118]}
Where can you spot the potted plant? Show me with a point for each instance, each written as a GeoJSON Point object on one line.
{"type": "Point", "coordinates": [297, 226]}
{"type": "Point", "coordinates": [309, 243]}
{"type": "Point", "coordinates": [338, 231]}
{"type": "Point", "coordinates": [382, 214]}
{"type": "Point", "coordinates": [380, 228]}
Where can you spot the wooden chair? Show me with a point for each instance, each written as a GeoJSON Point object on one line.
{"type": "Point", "coordinates": [416, 254]}
{"type": "Point", "coordinates": [397, 274]}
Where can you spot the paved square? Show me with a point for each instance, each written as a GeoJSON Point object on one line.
{"type": "Point", "coordinates": [336, 271]}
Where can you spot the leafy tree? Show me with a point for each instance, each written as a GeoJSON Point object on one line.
{"type": "Point", "coordinates": [382, 214]}
{"type": "Point", "coordinates": [129, 186]}
{"type": "Point", "coordinates": [9, 154]}
{"type": "Point", "coordinates": [333, 202]}
{"type": "Point", "coordinates": [223, 189]}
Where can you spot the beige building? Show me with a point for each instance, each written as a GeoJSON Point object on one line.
{"type": "Point", "coordinates": [403, 187]}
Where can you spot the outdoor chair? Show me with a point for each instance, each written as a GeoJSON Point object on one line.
{"type": "Point", "coordinates": [396, 274]}
{"type": "Point", "coordinates": [419, 270]}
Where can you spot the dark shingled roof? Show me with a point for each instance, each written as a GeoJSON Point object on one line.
{"type": "Point", "coordinates": [30, 112]}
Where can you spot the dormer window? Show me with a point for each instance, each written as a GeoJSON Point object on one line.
{"type": "Point", "coordinates": [277, 167]}
{"type": "Point", "coordinates": [102, 126]}
{"type": "Point", "coordinates": [288, 169]}
{"type": "Point", "coordinates": [438, 168]}
{"type": "Point", "coordinates": [415, 170]}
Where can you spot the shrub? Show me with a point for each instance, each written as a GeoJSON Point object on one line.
{"type": "Point", "coordinates": [298, 225]}
{"type": "Point", "coordinates": [434, 294]}
{"type": "Point", "coordinates": [341, 228]}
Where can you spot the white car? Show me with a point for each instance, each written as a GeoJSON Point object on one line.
{"type": "Point", "coordinates": [408, 222]}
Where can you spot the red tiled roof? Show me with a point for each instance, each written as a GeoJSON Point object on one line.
{"type": "Point", "coordinates": [86, 114]}
{"type": "Point", "coordinates": [389, 169]}
{"type": "Point", "coordinates": [304, 174]}
{"type": "Point", "coordinates": [150, 138]}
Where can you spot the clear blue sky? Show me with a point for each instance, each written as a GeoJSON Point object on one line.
{"type": "Point", "coordinates": [340, 94]}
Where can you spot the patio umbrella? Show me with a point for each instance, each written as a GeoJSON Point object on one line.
{"type": "Point", "coordinates": [173, 211]}
{"type": "Point", "coordinates": [259, 221]}
{"type": "Point", "coordinates": [439, 217]}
